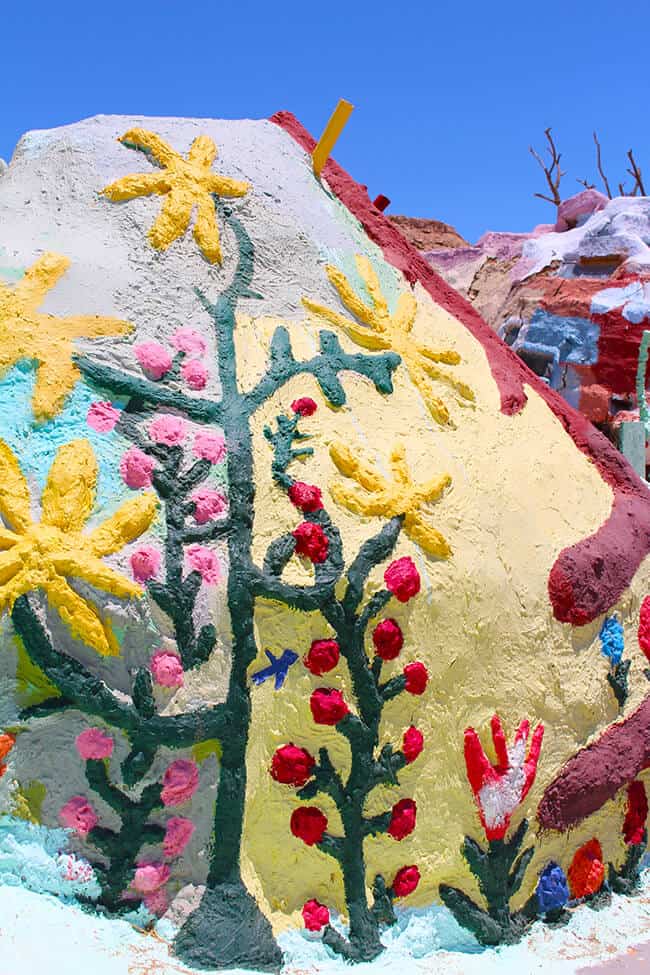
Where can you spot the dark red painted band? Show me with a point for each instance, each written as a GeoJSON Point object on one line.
{"type": "Point", "coordinates": [589, 577]}
{"type": "Point", "coordinates": [596, 773]}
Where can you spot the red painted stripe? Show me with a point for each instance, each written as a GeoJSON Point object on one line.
{"type": "Point", "coordinates": [589, 577]}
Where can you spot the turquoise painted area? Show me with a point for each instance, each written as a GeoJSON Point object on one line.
{"type": "Point", "coordinates": [36, 445]}
{"type": "Point", "coordinates": [11, 274]}
{"type": "Point", "coordinates": [576, 339]}
{"type": "Point", "coordinates": [35, 857]}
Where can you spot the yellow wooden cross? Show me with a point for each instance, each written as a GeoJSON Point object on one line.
{"type": "Point", "coordinates": [332, 131]}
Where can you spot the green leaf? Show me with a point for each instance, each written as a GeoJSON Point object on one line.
{"type": "Point", "coordinates": [143, 699]}
{"type": "Point", "coordinates": [31, 683]}
{"type": "Point", "coordinates": [484, 928]}
{"type": "Point", "coordinates": [515, 879]}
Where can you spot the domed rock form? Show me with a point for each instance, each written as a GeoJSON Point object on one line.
{"type": "Point", "coordinates": [312, 593]}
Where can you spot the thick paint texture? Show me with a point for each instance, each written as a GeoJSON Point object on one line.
{"type": "Point", "coordinates": [353, 529]}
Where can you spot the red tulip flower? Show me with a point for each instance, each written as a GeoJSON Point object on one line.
{"type": "Point", "coordinates": [499, 789]}
{"type": "Point", "coordinates": [291, 765]}
{"type": "Point", "coordinates": [305, 406]}
{"type": "Point", "coordinates": [405, 881]}
{"type": "Point", "coordinates": [587, 870]}
{"type": "Point", "coordinates": [309, 824]}
{"type": "Point", "coordinates": [315, 915]}
{"type": "Point", "coordinates": [306, 497]}
{"type": "Point", "coordinates": [636, 813]}
{"type": "Point", "coordinates": [416, 677]}
{"type": "Point", "coordinates": [402, 579]}
{"type": "Point", "coordinates": [412, 744]}
{"type": "Point", "coordinates": [311, 541]}
{"type": "Point", "coordinates": [388, 639]}
{"type": "Point", "coordinates": [328, 706]}
{"type": "Point", "coordinates": [323, 656]}
{"type": "Point", "coordinates": [402, 821]}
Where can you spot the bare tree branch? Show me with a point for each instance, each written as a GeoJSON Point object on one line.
{"type": "Point", "coordinates": [635, 172]}
{"type": "Point", "coordinates": [600, 168]}
{"type": "Point", "coordinates": [552, 173]}
{"type": "Point", "coordinates": [587, 185]}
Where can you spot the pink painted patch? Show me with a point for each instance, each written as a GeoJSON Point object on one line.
{"type": "Point", "coordinates": [136, 468]}
{"type": "Point", "coordinates": [180, 782]}
{"type": "Point", "coordinates": [79, 815]}
{"type": "Point", "coordinates": [205, 561]}
{"type": "Point", "coordinates": [178, 834]}
{"type": "Point", "coordinates": [145, 562]}
{"type": "Point", "coordinates": [194, 373]}
{"type": "Point", "coordinates": [166, 668]}
{"type": "Point", "coordinates": [150, 876]}
{"type": "Point", "coordinates": [188, 341]}
{"type": "Point", "coordinates": [208, 504]}
{"type": "Point", "coordinates": [168, 429]}
{"type": "Point", "coordinates": [102, 417]}
{"type": "Point", "coordinates": [210, 446]}
{"type": "Point", "coordinates": [94, 744]}
{"type": "Point", "coordinates": [157, 903]}
{"type": "Point", "coordinates": [154, 359]}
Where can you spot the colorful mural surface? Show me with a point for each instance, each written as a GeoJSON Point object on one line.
{"type": "Point", "coordinates": [305, 579]}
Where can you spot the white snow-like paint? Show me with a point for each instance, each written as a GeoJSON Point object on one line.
{"type": "Point", "coordinates": [500, 798]}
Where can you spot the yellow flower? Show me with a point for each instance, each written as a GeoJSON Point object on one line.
{"type": "Point", "coordinates": [26, 333]}
{"type": "Point", "coordinates": [45, 555]}
{"type": "Point", "coordinates": [386, 331]}
{"type": "Point", "coordinates": [382, 498]}
{"type": "Point", "coordinates": [187, 183]}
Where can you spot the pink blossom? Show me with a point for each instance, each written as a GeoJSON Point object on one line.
{"type": "Point", "coordinates": [79, 815]}
{"type": "Point", "coordinates": [180, 782]}
{"type": "Point", "coordinates": [208, 504]}
{"type": "Point", "coordinates": [188, 341]}
{"type": "Point", "coordinates": [154, 359]}
{"type": "Point", "coordinates": [150, 876]}
{"type": "Point", "coordinates": [136, 468]}
{"type": "Point", "coordinates": [177, 835]}
{"type": "Point", "coordinates": [157, 903]}
{"type": "Point", "coordinates": [168, 429]}
{"type": "Point", "coordinates": [145, 562]}
{"type": "Point", "coordinates": [94, 744]}
{"type": "Point", "coordinates": [194, 373]}
{"type": "Point", "coordinates": [102, 416]}
{"type": "Point", "coordinates": [205, 561]}
{"type": "Point", "coordinates": [210, 446]}
{"type": "Point", "coordinates": [166, 668]}
{"type": "Point", "coordinates": [73, 869]}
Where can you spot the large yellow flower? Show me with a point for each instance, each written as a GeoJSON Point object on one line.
{"type": "Point", "coordinates": [186, 183]}
{"type": "Point", "coordinates": [44, 555]}
{"type": "Point", "coordinates": [380, 330]}
{"type": "Point", "coordinates": [26, 333]}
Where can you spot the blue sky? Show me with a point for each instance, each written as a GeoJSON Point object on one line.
{"type": "Point", "coordinates": [448, 95]}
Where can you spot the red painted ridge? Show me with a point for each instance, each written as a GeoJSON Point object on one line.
{"type": "Point", "coordinates": [590, 576]}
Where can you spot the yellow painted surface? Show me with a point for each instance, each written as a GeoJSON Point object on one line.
{"type": "Point", "coordinates": [45, 555]}
{"type": "Point", "coordinates": [337, 122]}
{"type": "Point", "coordinates": [519, 492]}
{"type": "Point", "coordinates": [27, 333]}
{"type": "Point", "coordinates": [185, 184]}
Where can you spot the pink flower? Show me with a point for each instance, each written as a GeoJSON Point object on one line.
{"type": "Point", "coordinates": [315, 915]}
{"type": "Point", "coordinates": [402, 579]}
{"type": "Point", "coordinates": [311, 541]}
{"type": "Point", "coordinates": [208, 504]}
{"type": "Point", "coordinates": [305, 406]}
{"type": "Point", "coordinates": [154, 359]}
{"type": "Point", "coordinates": [145, 562]}
{"type": "Point", "coordinates": [166, 668]}
{"type": "Point", "coordinates": [168, 429]}
{"type": "Point", "coordinates": [306, 497]}
{"type": "Point", "coordinates": [79, 815]}
{"type": "Point", "coordinates": [205, 561]}
{"type": "Point", "coordinates": [499, 789]}
{"type": "Point", "coordinates": [94, 744]}
{"type": "Point", "coordinates": [102, 417]}
{"type": "Point", "coordinates": [157, 903]}
{"type": "Point", "coordinates": [180, 782]}
{"type": "Point", "coordinates": [136, 468]}
{"type": "Point", "coordinates": [194, 373]}
{"type": "Point", "coordinates": [178, 834]}
{"type": "Point", "coordinates": [150, 876]}
{"type": "Point", "coordinates": [188, 341]}
{"type": "Point", "coordinates": [73, 869]}
{"type": "Point", "coordinates": [210, 446]}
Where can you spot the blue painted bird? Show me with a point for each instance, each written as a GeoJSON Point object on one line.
{"type": "Point", "coordinates": [279, 668]}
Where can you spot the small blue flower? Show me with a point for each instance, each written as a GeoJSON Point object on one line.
{"type": "Point", "coordinates": [611, 640]}
{"type": "Point", "coordinates": [552, 889]}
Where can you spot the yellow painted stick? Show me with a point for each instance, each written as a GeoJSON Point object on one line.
{"type": "Point", "coordinates": [329, 138]}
